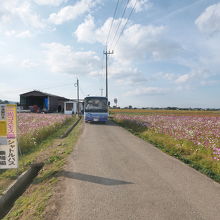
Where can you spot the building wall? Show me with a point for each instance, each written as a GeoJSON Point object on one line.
{"type": "Point", "coordinates": [55, 104]}
{"type": "Point", "coordinates": [74, 109]}
{"type": "Point", "coordinates": [70, 107]}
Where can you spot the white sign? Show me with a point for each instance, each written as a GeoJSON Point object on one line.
{"type": "Point", "coordinates": [8, 137]}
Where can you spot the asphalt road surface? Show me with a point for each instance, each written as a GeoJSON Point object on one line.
{"type": "Point", "coordinates": [113, 175]}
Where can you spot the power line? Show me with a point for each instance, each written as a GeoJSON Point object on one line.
{"type": "Point", "coordinates": [126, 23]}
{"type": "Point", "coordinates": [112, 23]}
{"type": "Point", "coordinates": [119, 24]}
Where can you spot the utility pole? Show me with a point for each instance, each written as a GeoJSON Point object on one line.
{"type": "Point", "coordinates": [77, 85]}
{"type": "Point", "coordinates": [78, 96]}
{"type": "Point", "coordinates": [101, 91]}
{"type": "Point", "coordinates": [106, 69]}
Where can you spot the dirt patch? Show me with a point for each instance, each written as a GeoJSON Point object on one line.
{"type": "Point", "coordinates": [53, 206]}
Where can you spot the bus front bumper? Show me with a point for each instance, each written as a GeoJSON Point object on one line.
{"type": "Point", "coordinates": [96, 117]}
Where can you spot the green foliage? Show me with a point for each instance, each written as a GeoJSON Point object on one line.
{"type": "Point", "coordinates": [133, 126]}
{"type": "Point", "coordinates": [52, 159]}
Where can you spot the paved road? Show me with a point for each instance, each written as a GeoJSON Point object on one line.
{"type": "Point", "coordinates": [113, 175]}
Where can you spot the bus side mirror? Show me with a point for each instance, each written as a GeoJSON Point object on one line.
{"type": "Point", "coordinates": [108, 103]}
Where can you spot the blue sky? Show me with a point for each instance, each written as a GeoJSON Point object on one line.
{"type": "Point", "coordinates": [168, 54]}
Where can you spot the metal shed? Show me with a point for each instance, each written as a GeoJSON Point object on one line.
{"type": "Point", "coordinates": [42, 101]}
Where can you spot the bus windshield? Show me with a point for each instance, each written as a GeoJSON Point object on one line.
{"type": "Point", "coordinates": [96, 104]}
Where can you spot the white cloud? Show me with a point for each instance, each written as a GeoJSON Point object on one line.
{"type": "Point", "coordinates": [5, 19]}
{"type": "Point", "coordinates": [140, 5]}
{"type": "Point", "coordinates": [183, 78]}
{"type": "Point", "coordinates": [137, 42]}
{"type": "Point", "coordinates": [14, 11]}
{"type": "Point", "coordinates": [119, 70]}
{"type": "Point", "coordinates": [7, 59]}
{"type": "Point", "coordinates": [71, 12]}
{"type": "Point", "coordinates": [63, 59]}
{"type": "Point", "coordinates": [88, 32]}
{"type": "Point", "coordinates": [27, 63]}
{"type": "Point", "coordinates": [11, 60]}
{"type": "Point", "coordinates": [147, 91]}
{"type": "Point", "coordinates": [10, 33]}
{"type": "Point", "coordinates": [100, 33]}
{"type": "Point", "coordinates": [195, 76]}
{"type": "Point", "coordinates": [121, 73]}
{"type": "Point", "coordinates": [22, 34]}
{"type": "Point", "coordinates": [85, 31]}
{"type": "Point", "coordinates": [209, 20]}
{"type": "Point", "coordinates": [139, 32]}
{"type": "Point", "coordinates": [29, 17]}
{"type": "Point", "coordinates": [50, 2]}
{"type": "Point", "coordinates": [133, 79]}
{"type": "Point", "coordinates": [167, 76]}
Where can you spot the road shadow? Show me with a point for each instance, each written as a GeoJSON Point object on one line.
{"type": "Point", "coordinates": [93, 179]}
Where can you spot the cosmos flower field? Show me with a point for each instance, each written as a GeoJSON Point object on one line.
{"type": "Point", "coordinates": [29, 123]}
{"type": "Point", "coordinates": [34, 128]}
{"type": "Point", "coordinates": [199, 130]}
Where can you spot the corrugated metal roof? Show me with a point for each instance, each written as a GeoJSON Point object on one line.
{"type": "Point", "coordinates": [39, 93]}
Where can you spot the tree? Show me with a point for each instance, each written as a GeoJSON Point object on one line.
{"type": "Point", "coordinates": [4, 102]}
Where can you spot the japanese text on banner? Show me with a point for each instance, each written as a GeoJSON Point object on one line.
{"type": "Point", "coordinates": [8, 137]}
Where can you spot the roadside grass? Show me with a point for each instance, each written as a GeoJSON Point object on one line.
{"type": "Point", "coordinates": [30, 155]}
{"type": "Point", "coordinates": [199, 158]}
{"type": "Point", "coordinates": [53, 152]}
